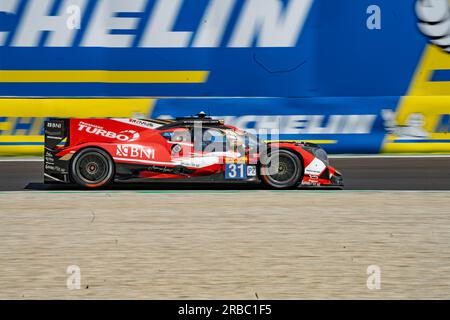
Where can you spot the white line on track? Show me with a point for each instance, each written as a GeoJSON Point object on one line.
{"type": "Point", "coordinates": [21, 159]}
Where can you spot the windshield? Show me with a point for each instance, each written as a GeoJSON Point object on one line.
{"type": "Point", "coordinates": [227, 140]}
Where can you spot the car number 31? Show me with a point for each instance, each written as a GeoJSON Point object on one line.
{"type": "Point", "coordinates": [239, 171]}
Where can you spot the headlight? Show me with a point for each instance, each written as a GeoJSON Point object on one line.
{"type": "Point", "coordinates": [321, 155]}
{"type": "Point", "coordinates": [317, 151]}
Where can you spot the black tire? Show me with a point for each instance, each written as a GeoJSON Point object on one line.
{"type": "Point", "coordinates": [289, 173]}
{"type": "Point", "coordinates": [92, 168]}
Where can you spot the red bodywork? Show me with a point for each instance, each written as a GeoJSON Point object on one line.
{"type": "Point", "coordinates": [144, 143]}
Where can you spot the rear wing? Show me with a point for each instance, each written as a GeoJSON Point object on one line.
{"type": "Point", "coordinates": [56, 133]}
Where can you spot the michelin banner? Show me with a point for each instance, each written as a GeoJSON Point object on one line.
{"type": "Point", "coordinates": [340, 125]}
{"type": "Point", "coordinates": [357, 76]}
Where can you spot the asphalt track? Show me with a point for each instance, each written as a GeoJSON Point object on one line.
{"type": "Point", "coordinates": [230, 242]}
{"type": "Point", "coordinates": [362, 173]}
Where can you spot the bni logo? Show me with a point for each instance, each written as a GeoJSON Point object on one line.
{"type": "Point", "coordinates": [135, 151]}
{"type": "Point", "coordinates": [434, 21]}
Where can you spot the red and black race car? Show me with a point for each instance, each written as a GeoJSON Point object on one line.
{"type": "Point", "coordinates": [96, 152]}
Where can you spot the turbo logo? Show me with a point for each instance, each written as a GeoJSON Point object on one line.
{"type": "Point", "coordinates": [130, 135]}
{"type": "Point", "coordinates": [125, 136]}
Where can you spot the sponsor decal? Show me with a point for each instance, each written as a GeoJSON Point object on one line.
{"type": "Point", "coordinates": [140, 123]}
{"type": "Point", "coordinates": [306, 124]}
{"type": "Point", "coordinates": [162, 169]}
{"type": "Point", "coordinates": [413, 128]}
{"type": "Point", "coordinates": [315, 168]}
{"type": "Point", "coordinates": [55, 168]}
{"type": "Point", "coordinates": [55, 138]}
{"type": "Point", "coordinates": [198, 162]}
{"type": "Point", "coordinates": [235, 160]}
{"type": "Point", "coordinates": [420, 124]}
{"type": "Point", "coordinates": [434, 21]}
{"type": "Point", "coordinates": [136, 152]}
{"type": "Point", "coordinates": [124, 136]}
{"type": "Point", "coordinates": [54, 125]}
{"type": "Point", "coordinates": [271, 22]}
{"type": "Point", "coordinates": [311, 183]}
{"type": "Point", "coordinates": [416, 126]}
{"type": "Point", "coordinates": [49, 160]}
{"type": "Point", "coordinates": [302, 124]}
{"type": "Point", "coordinates": [176, 149]}
{"type": "Point", "coordinates": [251, 171]}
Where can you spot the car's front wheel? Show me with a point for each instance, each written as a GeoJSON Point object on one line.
{"type": "Point", "coordinates": [283, 170]}
{"type": "Point", "coordinates": [92, 168]}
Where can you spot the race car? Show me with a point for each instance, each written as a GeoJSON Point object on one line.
{"type": "Point", "coordinates": [94, 153]}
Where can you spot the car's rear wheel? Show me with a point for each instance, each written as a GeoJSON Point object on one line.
{"type": "Point", "coordinates": [283, 170]}
{"type": "Point", "coordinates": [92, 168]}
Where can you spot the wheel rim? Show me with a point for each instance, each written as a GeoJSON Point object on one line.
{"type": "Point", "coordinates": [286, 170]}
{"type": "Point", "coordinates": [285, 173]}
{"type": "Point", "coordinates": [92, 168]}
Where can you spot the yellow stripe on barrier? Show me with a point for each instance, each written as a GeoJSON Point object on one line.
{"type": "Point", "coordinates": [420, 147]}
{"type": "Point", "coordinates": [311, 141]}
{"type": "Point", "coordinates": [21, 150]}
{"type": "Point", "coordinates": [102, 76]}
{"type": "Point", "coordinates": [21, 145]}
{"type": "Point", "coordinates": [75, 108]}
{"type": "Point", "coordinates": [23, 139]}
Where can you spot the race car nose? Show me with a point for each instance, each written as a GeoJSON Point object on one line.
{"type": "Point", "coordinates": [336, 178]}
